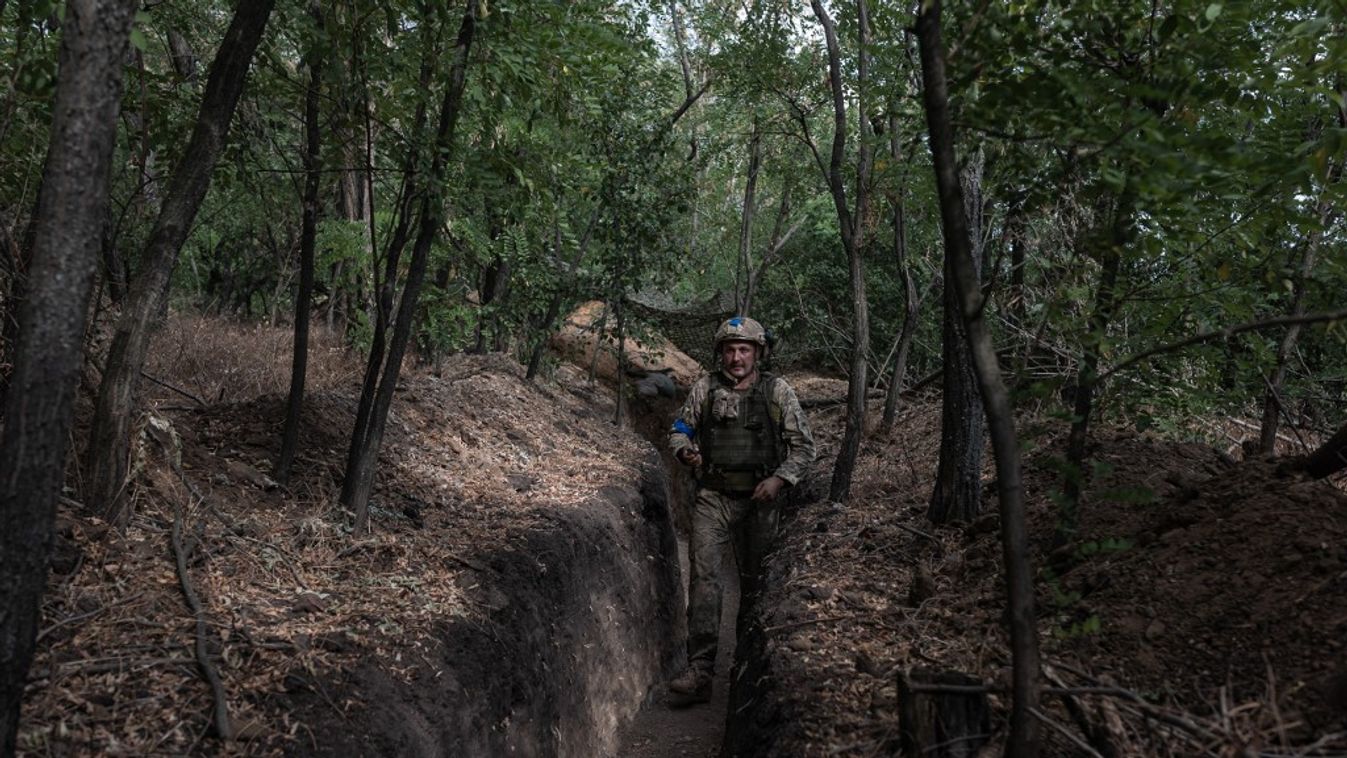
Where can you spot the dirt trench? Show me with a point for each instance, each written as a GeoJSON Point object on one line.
{"type": "Point", "coordinates": [584, 623]}
{"type": "Point", "coordinates": [662, 730]}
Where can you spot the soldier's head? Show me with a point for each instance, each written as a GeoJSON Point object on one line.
{"type": "Point", "coordinates": [740, 344]}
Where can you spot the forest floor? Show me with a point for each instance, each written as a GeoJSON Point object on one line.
{"type": "Point", "coordinates": [668, 729]}
{"type": "Point", "coordinates": [476, 463]}
{"type": "Point", "coordinates": [1205, 592]}
{"type": "Point", "coordinates": [1214, 592]}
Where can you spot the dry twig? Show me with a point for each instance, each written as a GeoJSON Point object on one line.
{"type": "Point", "coordinates": [223, 728]}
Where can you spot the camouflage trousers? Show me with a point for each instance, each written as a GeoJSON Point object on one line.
{"type": "Point", "coordinates": [720, 523]}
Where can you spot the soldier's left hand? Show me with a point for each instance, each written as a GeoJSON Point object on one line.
{"type": "Point", "coordinates": [768, 489]}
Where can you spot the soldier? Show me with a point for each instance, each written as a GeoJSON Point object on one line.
{"type": "Point", "coordinates": [744, 432]}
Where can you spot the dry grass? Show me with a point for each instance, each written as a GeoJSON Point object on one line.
{"type": "Point", "coordinates": [218, 360]}
{"type": "Point", "coordinates": [292, 597]}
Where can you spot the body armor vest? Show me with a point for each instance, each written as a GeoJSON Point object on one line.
{"type": "Point", "coordinates": [743, 450]}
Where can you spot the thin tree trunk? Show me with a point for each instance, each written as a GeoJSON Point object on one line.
{"type": "Point", "coordinates": [743, 272]}
{"type": "Point", "coordinates": [685, 63]}
{"type": "Point", "coordinates": [780, 235]}
{"type": "Point", "coordinates": [554, 304]}
{"type": "Point", "coordinates": [1087, 378]}
{"type": "Point", "coordinates": [307, 238]}
{"type": "Point", "coordinates": [383, 310]}
{"type": "Point", "coordinates": [620, 411]}
{"type": "Point", "coordinates": [359, 479]}
{"type": "Point", "coordinates": [1015, 298]}
{"type": "Point", "coordinates": [39, 412]}
{"type": "Point", "coordinates": [851, 227]}
{"type": "Point", "coordinates": [600, 327]}
{"type": "Point", "coordinates": [1024, 739]}
{"type": "Point", "coordinates": [909, 327]}
{"type": "Point", "coordinates": [1272, 396]}
{"type": "Point", "coordinates": [107, 457]}
{"type": "Point", "coordinates": [1267, 438]}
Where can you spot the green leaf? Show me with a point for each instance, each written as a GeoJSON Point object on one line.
{"type": "Point", "coordinates": [1213, 11]}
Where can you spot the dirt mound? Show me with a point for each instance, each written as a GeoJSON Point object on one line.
{"type": "Point", "coordinates": [1230, 583]}
{"type": "Point", "coordinates": [517, 553]}
{"type": "Point", "coordinates": [1212, 591]}
{"type": "Point", "coordinates": [590, 328]}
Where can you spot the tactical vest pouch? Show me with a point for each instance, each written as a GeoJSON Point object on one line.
{"type": "Point", "coordinates": [741, 440]}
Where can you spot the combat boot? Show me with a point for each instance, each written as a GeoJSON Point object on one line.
{"type": "Point", "coordinates": [692, 686]}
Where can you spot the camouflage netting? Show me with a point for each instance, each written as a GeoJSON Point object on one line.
{"type": "Point", "coordinates": [690, 326]}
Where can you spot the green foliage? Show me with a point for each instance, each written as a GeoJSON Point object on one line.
{"type": "Point", "coordinates": [1073, 618]}
{"type": "Point", "coordinates": [1208, 132]}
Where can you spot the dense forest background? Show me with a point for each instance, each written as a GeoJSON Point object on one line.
{"type": "Point", "coordinates": [1149, 195]}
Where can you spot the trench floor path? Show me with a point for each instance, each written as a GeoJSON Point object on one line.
{"type": "Point", "coordinates": [660, 731]}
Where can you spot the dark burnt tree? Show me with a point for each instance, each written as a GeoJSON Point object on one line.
{"type": "Point", "coordinates": [107, 456]}
{"type": "Point", "coordinates": [961, 272]}
{"type": "Point", "coordinates": [850, 222]}
{"type": "Point", "coordinates": [381, 376]}
{"type": "Point", "coordinates": [49, 352]}
{"type": "Point", "coordinates": [307, 236]}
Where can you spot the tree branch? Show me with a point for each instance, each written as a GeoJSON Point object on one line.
{"type": "Point", "coordinates": [1225, 333]}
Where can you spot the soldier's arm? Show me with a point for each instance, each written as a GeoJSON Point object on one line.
{"type": "Point", "coordinates": [795, 429]}
{"type": "Point", "coordinates": [683, 433]}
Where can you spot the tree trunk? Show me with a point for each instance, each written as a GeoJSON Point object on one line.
{"type": "Point", "coordinates": [743, 272]}
{"type": "Point", "coordinates": [1327, 211]}
{"type": "Point", "coordinates": [108, 454]}
{"type": "Point", "coordinates": [684, 63]}
{"type": "Point", "coordinates": [600, 327]}
{"type": "Point", "coordinates": [909, 327]}
{"type": "Point", "coordinates": [1024, 739]}
{"type": "Point", "coordinates": [943, 714]}
{"type": "Point", "coordinates": [1015, 231]}
{"type": "Point", "coordinates": [408, 193]}
{"type": "Point", "coordinates": [780, 235]}
{"type": "Point", "coordinates": [364, 454]}
{"type": "Point", "coordinates": [18, 266]}
{"type": "Point", "coordinates": [1267, 438]}
{"type": "Point", "coordinates": [307, 238]}
{"type": "Point", "coordinates": [851, 228]}
{"type": "Point", "coordinates": [494, 292]}
{"type": "Point", "coordinates": [39, 412]}
{"type": "Point", "coordinates": [619, 313]}
{"type": "Point", "coordinates": [553, 311]}
{"type": "Point", "coordinates": [1087, 378]}
{"type": "Point", "coordinates": [958, 481]}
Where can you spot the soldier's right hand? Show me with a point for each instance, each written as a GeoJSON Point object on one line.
{"type": "Point", "coordinates": [689, 456]}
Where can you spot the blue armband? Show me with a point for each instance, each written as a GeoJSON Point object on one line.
{"type": "Point", "coordinates": [681, 427]}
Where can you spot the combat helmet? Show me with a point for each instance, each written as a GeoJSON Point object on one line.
{"type": "Point", "coordinates": [744, 329]}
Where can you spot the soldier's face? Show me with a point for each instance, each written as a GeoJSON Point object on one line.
{"type": "Point", "coordinates": [738, 358]}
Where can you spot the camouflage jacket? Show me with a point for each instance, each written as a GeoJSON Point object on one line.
{"type": "Point", "coordinates": [794, 428]}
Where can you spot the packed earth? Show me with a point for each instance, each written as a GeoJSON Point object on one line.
{"type": "Point", "coordinates": [520, 590]}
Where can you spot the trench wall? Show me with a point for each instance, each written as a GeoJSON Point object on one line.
{"type": "Point", "coordinates": [585, 617]}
